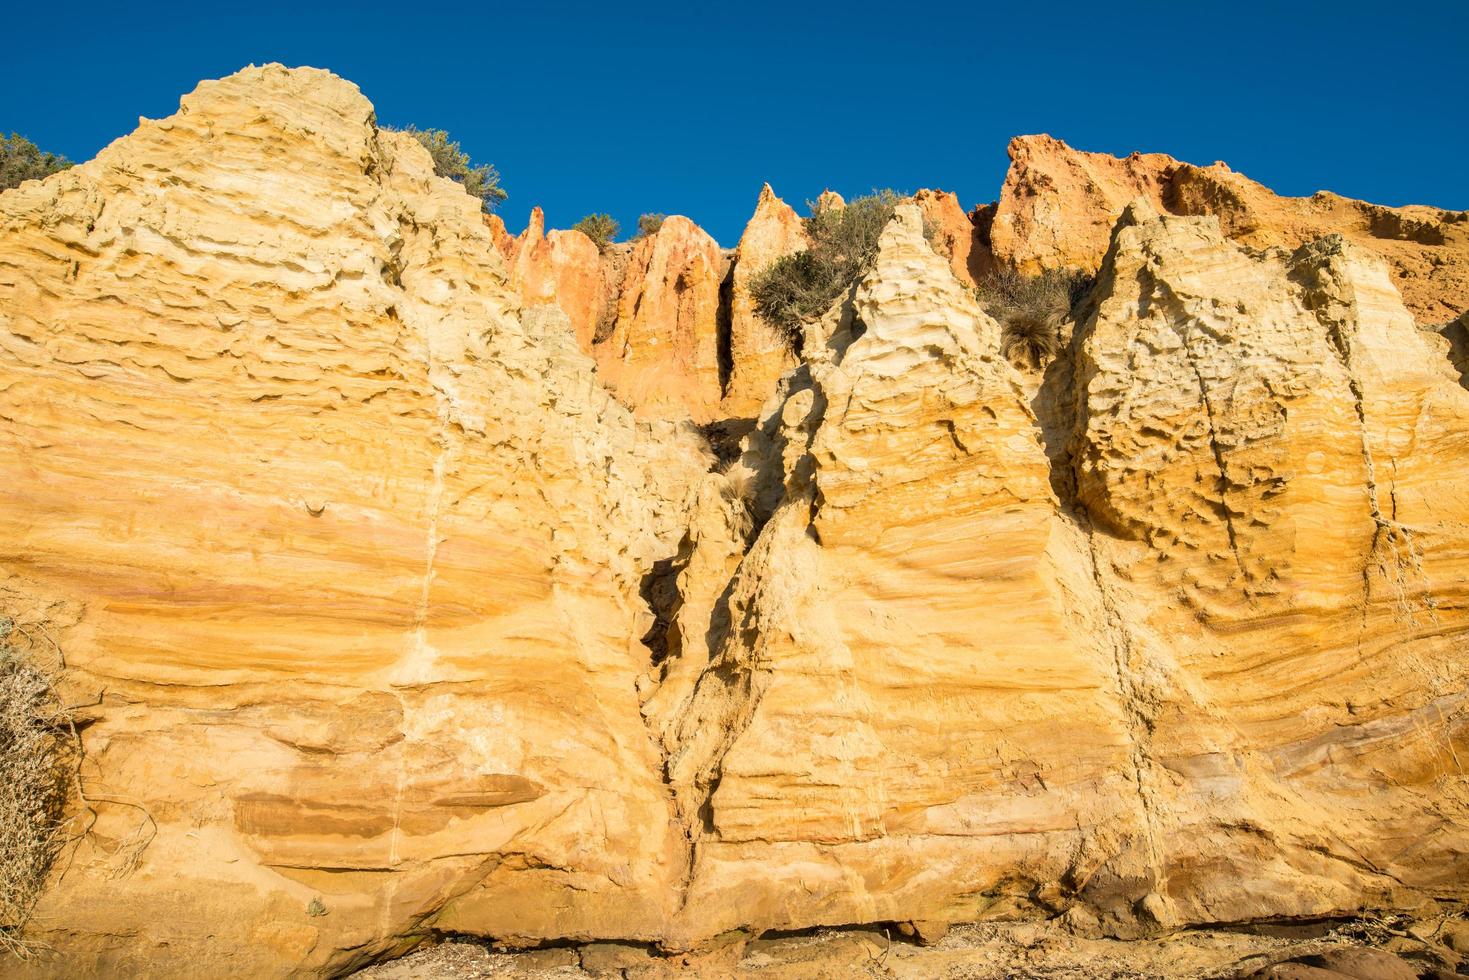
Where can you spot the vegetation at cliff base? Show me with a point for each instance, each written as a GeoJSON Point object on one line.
{"type": "Point", "coordinates": [21, 160]}
{"type": "Point", "coordinates": [602, 229]}
{"type": "Point", "coordinates": [37, 763]}
{"type": "Point", "coordinates": [1031, 311]}
{"type": "Point", "coordinates": [798, 288]}
{"type": "Point", "coordinates": [450, 161]}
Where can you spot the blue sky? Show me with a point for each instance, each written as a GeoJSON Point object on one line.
{"type": "Point", "coordinates": [688, 107]}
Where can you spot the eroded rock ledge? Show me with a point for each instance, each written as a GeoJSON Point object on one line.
{"type": "Point", "coordinates": [388, 619]}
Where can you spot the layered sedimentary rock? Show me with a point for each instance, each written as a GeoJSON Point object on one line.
{"type": "Point", "coordinates": [759, 353]}
{"type": "Point", "coordinates": [1264, 444]}
{"type": "Point", "coordinates": [383, 618]}
{"type": "Point", "coordinates": [662, 354]}
{"type": "Point", "coordinates": [355, 549]}
{"type": "Point", "coordinates": [892, 665]}
{"type": "Point", "coordinates": [1148, 691]}
{"type": "Point", "coordinates": [1058, 205]}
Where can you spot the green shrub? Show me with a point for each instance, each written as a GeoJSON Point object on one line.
{"type": "Point", "coordinates": [600, 228]}
{"type": "Point", "coordinates": [450, 161]}
{"type": "Point", "coordinates": [20, 160]}
{"type": "Point", "coordinates": [37, 763]}
{"type": "Point", "coordinates": [1031, 311]}
{"type": "Point", "coordinates": [648, 224]}
{"type": "Point", "coordinates": [798, 288]}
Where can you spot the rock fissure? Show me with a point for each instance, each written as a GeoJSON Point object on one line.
{"type": "Point", "coordinates": [368, 511]}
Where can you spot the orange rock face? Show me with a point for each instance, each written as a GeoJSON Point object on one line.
{"type": "Point", "coordinates": [563, 268]}
{"type": "Point", "coordinates": [952, 234]}
{"type": "Point", "coordinates": [759, 353]}
{"type": "Point", "coordinates": [1058, 206]}
{"type": "Point", "coordinates": [662, 356]}
{"type": "Point", "coordinates": [1426, 249]}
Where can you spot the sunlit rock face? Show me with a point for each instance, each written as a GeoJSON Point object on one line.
{"type": "Point", "coordinates": [662, 355]}
{"type": "Point", "coordinates": [759, 353]}
{"type": "Point", "coordinates": [357, 548]}
{"type": "Point", "coordinates": [1058, 206]}
{"type": "Point", "coordinates": [561, 268]}
{"type": "Point", "coordinates": [386, 618]}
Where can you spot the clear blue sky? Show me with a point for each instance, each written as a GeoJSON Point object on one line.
{"type": "Point", "coordinates": [687, 107]}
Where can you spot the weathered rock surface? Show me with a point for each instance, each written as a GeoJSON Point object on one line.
{"type": "Point", "coordinates": [1058, 206]}
{"type": "Point", "coordinates": [952, 235]}
{"type": "Point", "coordinates": [562, 269]}
{"type": "Point", "coordinates": [386, 618]}
{"type": "Point", "coordinates": [358, 549]}
{"type": "Point", "coordinates": [662, 354]}
{"type": "Point", "coordinates": [1265, 441]}
{"type": "Point", "coordinates": [899, 608]}
{"type": "Point", "coordinates": [759, 353]}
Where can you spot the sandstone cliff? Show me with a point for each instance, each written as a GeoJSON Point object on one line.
{"type": "Point", "coordinates": [563, 269]}
{"type": "Point", "coordinates": [1058, 206]}
{"type": "Point", "coordinates": [759, 353]}
{"type": "Point", "coordinates": [357, 548]}
{"type": "Point", "coordinates": [385, 618]}
{"type": "Point", "coordinates": [662, 355]}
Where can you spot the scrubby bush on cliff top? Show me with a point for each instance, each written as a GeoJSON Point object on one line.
{"type": "Point", "coordinates": [1031, 310]}
{"type": "Point", "coordinates": [798, 288]}
{"type": "Point", "coordinates": [37, 761]}
{"type": "Point", "coordinates": [450, 161]}
{"type": "Point", "coordinates": [600, 228]}
{"type": "Point", "coordinates": [20, 159]}
{"type": "Point", "coordinates": [648, 224]}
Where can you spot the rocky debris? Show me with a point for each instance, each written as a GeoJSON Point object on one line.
{"type": "Point", "coordinates": [1058, 205]}
{"type": "Point", "coordinates": [995, 951]}
{"type": "Point", "coordinates": [759, 353]}
{"type": "Point", "coordinates": [393, 623]}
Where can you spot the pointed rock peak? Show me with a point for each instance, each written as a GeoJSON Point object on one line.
{"type": "Point", "coordinates": [830, 199]}
{"type": "Point", "coordinates": [1137, 211]}
{"type": "Point", "coordinates": [908, 218]}
{"type": "Point", "coordinates": [776, 221]}
{"type": "Point", "coordinates": [904, 253]}
{"type": "Point", "coordinates": [912, 306]}
{"type": "Point", "coordinates": [536, 228]}
{"type": "Point", "coordinates": [505, 243]}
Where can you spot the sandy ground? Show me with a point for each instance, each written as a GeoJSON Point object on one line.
{"type": "Point", "coordinates": [1006, 951]}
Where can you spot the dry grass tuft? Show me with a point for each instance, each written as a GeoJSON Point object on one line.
{"type": "Point", "coordinates": [38, 760]}
{"type": "Point", "coordinates": [1031, 311]}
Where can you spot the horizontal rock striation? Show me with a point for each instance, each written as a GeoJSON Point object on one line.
{"type": "Point", "coordinates": [359, 546]}
{"type": "Point", "coordinates": [384, 618]}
